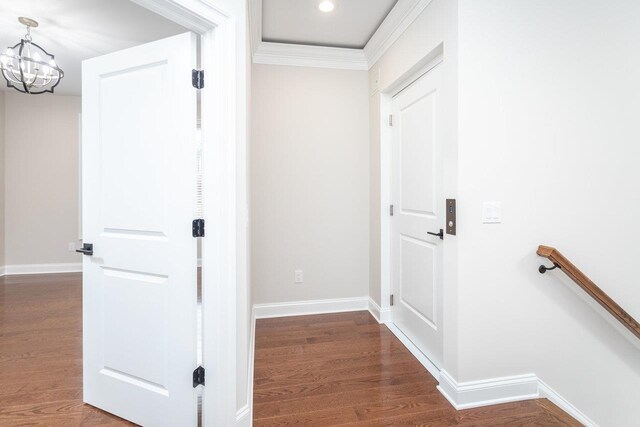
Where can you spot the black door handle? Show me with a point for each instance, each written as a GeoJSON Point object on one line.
{"type": "Point", "coordinates": [440, 234]}
{"type": "Point", "coordinates": [87, 249]}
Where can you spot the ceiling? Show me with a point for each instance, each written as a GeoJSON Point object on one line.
{"type": "Point", "coordinates": [75, 30]}
{"type": "Point", "coordinates": [351, 24]}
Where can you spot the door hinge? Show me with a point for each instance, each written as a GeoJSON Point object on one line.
{"type": "Point", "coordinates": [390, 210]}
{"type": "Point", "coordinates": [390, 119]}
{"type": "Point", "coordinates": [197, 78]}
{"type": "Point", "coordinates": [391, 299]}
{"type": "Point", "coordinates": [197, 228]}
{"type": "Point", "coordinates": [198, 376]}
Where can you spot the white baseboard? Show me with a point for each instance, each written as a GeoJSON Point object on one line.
{"type": "Point", "coordinates": [461, 395]}
{"type": "Point", "coordinates": [243, 417]}
{"type": "Point", "coordinates": [424, 360]}
{"type": "Point", "coordinates": [488, 392]}
{"type": "Point", "coordinates": [73, 267]}
{"type": "Point", "coordinates": [300, 308]}
{"type": "Point", "coordinates": [382, 315]}
{"type": "Point", "coordinates": [545, 391]}
{"type": "Point", "coordinates": [493, 391]}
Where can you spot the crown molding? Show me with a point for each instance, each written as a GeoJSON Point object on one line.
{"type": "Point", "coordinates": [310, 56]}
{"type": "Point", "coordinates": [396, 22]}
{"type": "Point", "coordinates": [255, 24]}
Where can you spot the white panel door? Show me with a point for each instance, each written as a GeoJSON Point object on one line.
{"type": "Point", "coordinates": [416, 262]}
{"type": "Point", "coordinates": [139, 286]}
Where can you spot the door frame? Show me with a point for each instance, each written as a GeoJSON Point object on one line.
{"type": "Point", "coordinates": [430, 61]}
{"type": "Point", "coordinates": [221, 25]}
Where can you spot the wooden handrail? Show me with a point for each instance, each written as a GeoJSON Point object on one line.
{"type": "Point", "coordinates": [589, 287]}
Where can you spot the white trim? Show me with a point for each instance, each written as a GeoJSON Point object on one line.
{"type": "Point", "coordinates": [424, 360]}
{"type": "Point", "coordinates": [473, 394]}
{"type": "Point", "coordinates": [310, 56]}
{"type": "Point", "coordinates": [255, 24]}
{"type": "Point", "coordinates": [80, 177]}
{"type": "Point", "coordinates": [545, 391]}
{"type": "Point", "coordinates": [71, 267]}
{"type": "Point", "coordinates": [302, 308]}
{"type": "Point", "coordinates": [386, 137]}
{"type": "Point", "coordinates": [395, 23]}
{"type": "Point", "coordinates": [488, 392]}
{"type": "Point", "coordinates": [222, 25]}
{"type": "Point", "coordinates": [426, 64]}
{"type": "Point", "coordinates": [382, 315]}
{"type": "Point", "coordinates": [461, 395]}
{"type": "Point", "coordinates": [243, 417]}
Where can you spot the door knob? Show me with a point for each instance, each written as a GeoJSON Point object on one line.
{"type": "Point", "coordinates": [440, 234]}
{"type": "Point", "coordinates": [87, 249]}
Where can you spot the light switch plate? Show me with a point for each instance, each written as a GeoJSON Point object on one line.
{"type": "Point", "coordinates": [491, 212]}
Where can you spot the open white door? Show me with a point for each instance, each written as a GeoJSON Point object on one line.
{"type": "Point", "coordinates": [416, 251]}
{"type": "Point", "coordinates": [139, 199]}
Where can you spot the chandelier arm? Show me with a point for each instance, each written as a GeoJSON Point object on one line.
{"type": "Point", "coordinates": [45, 81]}
{"type": "Point", "coordinates": [7, 77]}
{"type": "Point", "coordinates": [16, 79]}
{"type": "Point", "coordinates": [20, 67]}
{"type": "Point", "coordinates": [34, 73]}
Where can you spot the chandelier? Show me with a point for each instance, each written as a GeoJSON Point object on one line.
{"type": "Point", "coordinates": [27, 67]}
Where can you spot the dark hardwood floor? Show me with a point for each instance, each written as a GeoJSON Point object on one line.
{"type": "Point", "coordinates": [346, 369]}
{"type": "Point", "coordinates": [41, 353]}
{"type": "Point", "coordinates": [309, 370]}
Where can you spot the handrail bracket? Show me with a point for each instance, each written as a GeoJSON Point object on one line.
{"type": "Point", "coordinates": [543, 268]}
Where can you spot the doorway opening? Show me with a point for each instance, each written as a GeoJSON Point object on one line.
{"type": "Point", "coordinates": [413, 211]}
{"type": "Point", "coordinates": [218, 135]}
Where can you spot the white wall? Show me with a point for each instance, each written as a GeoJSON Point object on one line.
{"type": "Point", "coordinates": [309, 183]}
{"type": "Point", "coordinates": [41, 178]}
{"type": "Point", "coordinates": [549, 105]}
{"type": "Point", "coordinates": [543, 119]}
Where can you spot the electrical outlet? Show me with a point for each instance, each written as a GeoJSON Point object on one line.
{"type": "Point", "coordinates": [299, 276]}
{"type": "Point", "coordinates": [72, 247]}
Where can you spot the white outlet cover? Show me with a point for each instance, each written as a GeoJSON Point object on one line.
{"type": "Point", "coordinates": [299, 276]}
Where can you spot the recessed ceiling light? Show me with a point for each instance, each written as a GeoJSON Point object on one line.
{"type": "Point", "coordinates": [326, 6]}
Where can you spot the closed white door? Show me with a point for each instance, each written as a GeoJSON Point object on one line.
{"type": "Point", "coordinates": [416, 263]}
{"type": "Point", "coordinates": [139, 286]}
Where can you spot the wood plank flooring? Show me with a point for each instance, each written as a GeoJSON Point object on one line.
{"type": "Point", "coordinates": [41, 353]}
{"type": "Point", "coordinates": [336, 369]}
{"type": "Point", "coordinates": [346, 369]}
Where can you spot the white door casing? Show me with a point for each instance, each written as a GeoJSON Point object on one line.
{"type": "Point", "coordinates": [417, 195]}
{"type": "Point", "coordinates": [139, 287]}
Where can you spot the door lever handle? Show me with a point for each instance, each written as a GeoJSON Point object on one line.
{"type": "Point", "coordinates": [87, 249]}
{"type": "Point", "coordinates": [440, 234]}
